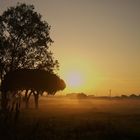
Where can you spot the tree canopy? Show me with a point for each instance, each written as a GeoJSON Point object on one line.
{"type": "Point", "coordinates": [32, 79]}
{"type": "Point", "coordinates": [25, 40]}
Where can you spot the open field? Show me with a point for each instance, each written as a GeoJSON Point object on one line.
{"type": "Point", "coordinates": [76, 119]}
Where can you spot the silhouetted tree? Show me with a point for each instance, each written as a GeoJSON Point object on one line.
{"type": "Point", "coordinates": [24, 40]}
{"type": "Point", "coordinates": [124, 96]}
{"type": "Point", "coordinates": [37, 81]}
{"type": "Point", "coordinates": [77, 95]}
{"type": "Point", "coordinates": [82, 95]}
{"type": "Point", "coordinates": [133, 96]}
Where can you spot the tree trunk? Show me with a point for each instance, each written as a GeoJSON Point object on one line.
{"type": "Point", "coordinates": [27, 97]}
{"type": "Point", "coordinates": [36, 95]}
{"type": "Point", "coordinates": [4, 101]}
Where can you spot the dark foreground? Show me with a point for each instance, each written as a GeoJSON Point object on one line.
{"type": "Point", "coordinates": [72, 119]}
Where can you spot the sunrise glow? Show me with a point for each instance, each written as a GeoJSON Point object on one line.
{"type": "Point", "coordinates": [96, 43]}
{"type": "Point", "coordinates": [74, 79]}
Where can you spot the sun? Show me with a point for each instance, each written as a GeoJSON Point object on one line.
{"type": "Point", "coordinates": [74, 79]}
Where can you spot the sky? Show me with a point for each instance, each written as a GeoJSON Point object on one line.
{"type": "Point", "coordinates": [97, 43]}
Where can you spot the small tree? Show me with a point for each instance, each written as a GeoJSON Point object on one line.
{"type": "Point", "coordinates": [24, 40]}
{"type": "Point", "coordinates": [37, 81]}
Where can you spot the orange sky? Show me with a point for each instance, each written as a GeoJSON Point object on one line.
{"type": "Point", "coordinates": [97, 40]}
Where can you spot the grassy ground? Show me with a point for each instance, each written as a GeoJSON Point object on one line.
{"type": "Point", "coordinates": [73, 119]}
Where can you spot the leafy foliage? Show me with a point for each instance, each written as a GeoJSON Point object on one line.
{"type": "Point", "coordinates": [32, 79]}
{"type": "Point", "coordinates": [25, 40]}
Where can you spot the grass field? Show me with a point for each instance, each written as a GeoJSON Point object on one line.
{"type": "Point", "coordinates": [76, 119]}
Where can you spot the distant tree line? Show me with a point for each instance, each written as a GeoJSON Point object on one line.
{"type": "Point", "coordinates": [83, 95]}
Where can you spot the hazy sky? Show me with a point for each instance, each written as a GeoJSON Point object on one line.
{"type": "Point", "coordinates": [98, 40]}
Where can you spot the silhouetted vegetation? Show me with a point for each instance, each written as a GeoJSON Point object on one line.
{"type": "Point", "coordinates": [83, 95]}
{"type": "Point", "coordinates": [77, 95]}
{"type": "Point", "coordinates": [33, 81]}
{"type": "Point", "coordinates": [24, 41]}
{"type": "Point", "coordinates": [124, 96]}
{"type": "Point", "coordinates": [133, 96]}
